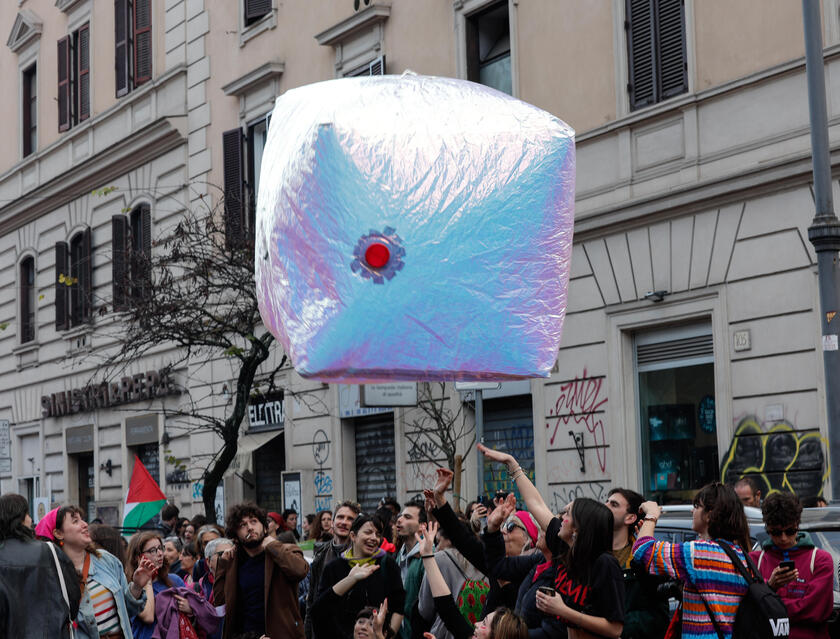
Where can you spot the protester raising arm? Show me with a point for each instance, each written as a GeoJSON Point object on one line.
{"type": "Point", "coordinates": [533, 500]}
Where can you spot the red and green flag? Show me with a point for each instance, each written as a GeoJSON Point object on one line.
{"type": "Point", "coordinates": [144, 499]}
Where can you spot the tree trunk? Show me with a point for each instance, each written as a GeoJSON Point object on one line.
{"type": "Point", "coordinates": [230, 441]}
{"type": "Point", "coordinates": [456, 482]}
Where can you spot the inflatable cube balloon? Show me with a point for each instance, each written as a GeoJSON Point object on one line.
{"type": "Point", "coordinates": [414, 228]}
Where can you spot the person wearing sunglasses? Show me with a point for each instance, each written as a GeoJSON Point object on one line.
{"type": "Point", "coordinates": [791, 565]}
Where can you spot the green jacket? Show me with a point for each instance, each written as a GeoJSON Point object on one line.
{"type": "Point", "coordinates": [412, 581]}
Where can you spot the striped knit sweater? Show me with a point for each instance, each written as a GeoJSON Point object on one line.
{"type": "Point", "coordinates": [706, 571]}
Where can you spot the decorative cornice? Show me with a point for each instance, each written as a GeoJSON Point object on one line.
{"type": "Point", "coordinates": [366, 18]}
{"type": "Point", "coordinates": [66, 5]}
{"type": "Point", "coordinates": [245, 83]}
{"type": "Point", "coordinates": [27, 27]}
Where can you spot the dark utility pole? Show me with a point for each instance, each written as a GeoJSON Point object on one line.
{"type": "Point", "coordinates": [824, 233]}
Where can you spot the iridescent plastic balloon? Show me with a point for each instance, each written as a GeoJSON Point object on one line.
{"type": "Point", "coordinates": [414, 228]}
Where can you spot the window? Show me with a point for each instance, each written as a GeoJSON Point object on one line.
{"type": "Point", "coordinates": [27, 300]}
{"type": "Point", "coordinates": [242, 167]}
{"type": "Point", "coordinates": [676, 399]}
{"type": "Point", "coordinates": [131, 246]}
{"type": "Point", "coordinates": [133, 44]}
{"type": "Point", "coordinates": [73, 289]}
{"type": "Point", "coordinates": [488, 48]}
{"type": "Point", "coordinates": [29, 110]}
{"type": "Point", "coordinates": [74, 78]}
{"type": "Point", "coordinates": [255, 10]}
{"type": "Point", "coordinates": [377, 67]}
{"type": "Point", "coordinates": [656, 50]}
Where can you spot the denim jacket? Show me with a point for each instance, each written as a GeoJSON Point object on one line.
{"type": "Point", "coordinates": [108, 571]}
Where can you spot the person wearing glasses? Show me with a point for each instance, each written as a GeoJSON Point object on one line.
{"type": "Point", "coordinates": [111, 596]}
{"type": "Point", "coordinates": [146, 548]}
{"type": "Point", "coordinates": [792, 566]}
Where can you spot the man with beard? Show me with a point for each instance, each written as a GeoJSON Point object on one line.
{"type": "Point", "coordinates": [258, 561]}
{"type": "Point", "coordinates": [408, 558]}
{"type": "Point", "coordinates": [645, 609]}
{"type": "Point", "coordinates": [343, 517]}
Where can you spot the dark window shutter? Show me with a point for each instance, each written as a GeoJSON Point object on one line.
{"type": "Point", "coordinates": [83, 71]}
{"type": "Point", "coordinates": [142, 41]}
{"type": "Point", "coordinates": [64, 83]}
{"type": "Point", "coordinates": [146, 258]}
{"type": "Point", "coordinates": [255, 9]}
{"type": "Point", "coordinates": [641, 50]}
{"type": "Point", "coordinates": [377, 67]}
{"type": "Point", "coordinates": [232, 149]}
{"type": "Point", "coordinates": [122, 40]}
{"type": "Point", "coordinates": [119, 262]}
{"type": "Point", "coordinates": [86, 277]}
{"type": "Point", "coordinates": [27, 300]}
{"type": "Point", "coordinates": [673, 67]}
{"type": "Point", "coordinates": [61, 289]}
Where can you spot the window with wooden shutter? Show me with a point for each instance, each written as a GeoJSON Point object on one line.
{"type": "Point", "coordinates": [142, 41]}
{"type": "Point", "coordinates": [256, 9]}
{"type": "Point", "coordinates": [656, 51]}
{"type": "Point", "coordinates": [86, 276]}
{"type": "Point", "coordinates": [83, 73]}
{"type": "Point", "coordinates": [27, 299]}
{"type": "Point", "coordinates": [122, 40]}
{"type": "Point", "coordinates": [64, 83]}
{"type": "Point", "coordinates": [141, 251]}
{"type": "Point", "coordinates": [29, 110]}
{"type": "Point", "coordinates": [61, 288]}
{"type": "Point", "coordinates": [377, 67]}
{"type": "Point", "coordinates": [119, 261]}
{"type": "Point", "coordinates": [234, 183]}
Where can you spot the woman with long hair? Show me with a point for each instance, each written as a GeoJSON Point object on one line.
{"type": "Point", "coordinates": [588, 583]}
{"type": "Point", "coordinates": [364, 575]}
{"type": "Point", "coordinates": [111, 594]}
{"type": "Point", "coordinates": [147, 546]}
{"type": "Point", "coordinates": [321, 529]}
{"type": "Point", "coordinates": [712, 584]}
{"type": "Point", "coordinates": [502, 623]}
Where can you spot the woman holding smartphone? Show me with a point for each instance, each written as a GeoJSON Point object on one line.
{"type": "Point", "coordinates": [792, 566]}
{"type": "Point", "coordinates": [589, 599]}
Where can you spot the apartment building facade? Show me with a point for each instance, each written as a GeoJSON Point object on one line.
{"type": "Point", "coordinates": [691, 349]}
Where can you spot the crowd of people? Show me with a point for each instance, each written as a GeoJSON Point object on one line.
{"type": "Point", "coordinates": [420, 570]}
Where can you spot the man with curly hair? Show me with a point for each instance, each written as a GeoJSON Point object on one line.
{"type": "Point", "coordinates": [792, 566]}
{"type": "Point", "coordinates": [243, 572]}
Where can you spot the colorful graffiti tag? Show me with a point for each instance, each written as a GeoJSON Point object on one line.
{"type": "Point", "coordinates": [781, 457]}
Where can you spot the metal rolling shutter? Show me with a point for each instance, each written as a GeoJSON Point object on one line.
{"type": "Point", "coordinates": [376, 469]}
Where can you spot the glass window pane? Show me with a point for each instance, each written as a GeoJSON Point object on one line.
{"type": "Point", "coordinates": [496, 74]}
{"type": "Point", "coordinates": [679, 440]}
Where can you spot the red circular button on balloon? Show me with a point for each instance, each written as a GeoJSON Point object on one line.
{"type": "Point", "coordinates": [377, 255]}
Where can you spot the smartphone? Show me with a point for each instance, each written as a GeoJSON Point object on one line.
{"type": "Point", "coordinates": [547, 591]}
{"type": "Point", "coordinates": [787, 565]}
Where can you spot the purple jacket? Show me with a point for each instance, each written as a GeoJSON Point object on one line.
{"type": "Point", "coordinates": [166, 613]}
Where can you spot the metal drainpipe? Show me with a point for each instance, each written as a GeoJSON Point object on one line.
{"type": "Point", "coordinates": [824, 233]}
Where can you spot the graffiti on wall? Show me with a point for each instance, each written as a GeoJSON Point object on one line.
{"type": "Point", "coordinates": [581, 403]}
{"type": "Point", "coordinates": [323, 479]}
{"type": "Point", "coordinates": [562, 495]}
{"type": "Point", "coordinates": [780, 457]}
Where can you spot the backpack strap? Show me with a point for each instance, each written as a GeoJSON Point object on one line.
{"type": "Point", "coordinates": [711, 615]}
{"type": "Point", "coordinates": [760, 557]}
{"type": "Point", "coordinates": [813, 559]}
{"type": "Point", "coordinates": [739, 566]}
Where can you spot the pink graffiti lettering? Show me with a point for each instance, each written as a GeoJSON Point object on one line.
{"type": "Point", "coordinates": [580, 400]}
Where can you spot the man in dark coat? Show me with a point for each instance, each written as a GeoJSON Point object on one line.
{"type": "Point", "coordinates": [29, 575]}
{"type": "Point", "coordinates": [257, 580]}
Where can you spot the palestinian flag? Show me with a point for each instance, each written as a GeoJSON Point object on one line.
{"type": "Point", "coordinates": [144, 499]}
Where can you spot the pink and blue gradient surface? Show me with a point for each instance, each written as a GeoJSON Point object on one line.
{"type": "Point", "coordinates": [478, 190]}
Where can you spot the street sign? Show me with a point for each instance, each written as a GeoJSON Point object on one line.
{"type": "Point", "coordinates": [5, 447]}
{"type": "Point", "coordinates": [474, 386]}
{"type": "Point", "coordinates": [393, 394]}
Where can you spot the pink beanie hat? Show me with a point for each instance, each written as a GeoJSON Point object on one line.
{"type": "Point", "coordinates": [46, 526]}
{"type": "Point", "coordinates": [528, 521]}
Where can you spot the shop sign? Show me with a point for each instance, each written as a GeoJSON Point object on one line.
{"type": "Point", "coordinates": [5, 447]}
{"type": "Point", "coordinates": [105, 394]}
{"type": "Point", "coordinates": [142, 429]}
{"type": "Point", "coordinates": [395, 394]}
{"type": "Point", "coordinates": [266, 412]}
{"type": "Point", "coordinates": [79, 439]}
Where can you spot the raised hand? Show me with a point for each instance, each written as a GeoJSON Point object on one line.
{"type": "Point", "coordinates": [426, 537]}
{"type": "Point", "coordinates": [361, 572]}
{"type": "Point", "coordinates": [499, 514]}
{"type": "Point", "coordinates": [145, 572]}
{"type": "Point", "coordinates": [444, 479]}
{"type": "Point", "coordinates": [379, 617]}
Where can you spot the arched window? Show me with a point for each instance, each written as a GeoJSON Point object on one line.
{"type": "Point", "coordinates": [131, 244]}
{"type": "Point", "coordinates": [73, 281]}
